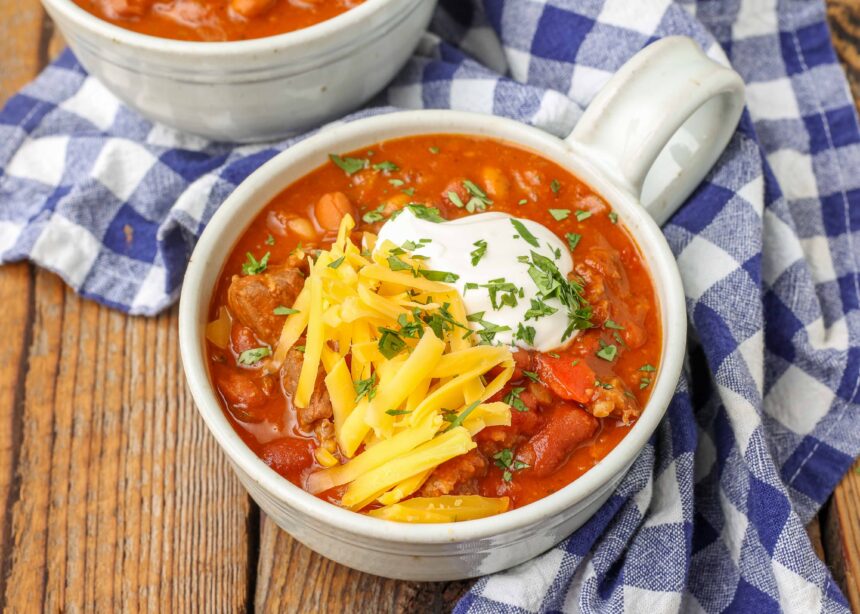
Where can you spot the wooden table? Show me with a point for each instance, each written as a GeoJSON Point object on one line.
{"type": "Point", "coordinates": [112, 492]}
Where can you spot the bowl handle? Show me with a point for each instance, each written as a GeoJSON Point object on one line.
{"type": "Point", "coordinates": [660, 123]}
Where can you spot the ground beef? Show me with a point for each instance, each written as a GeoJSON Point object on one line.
{"type": "Point", "coordinates": [457, 476]}
{"type": "Point", "coordinates": [319, 406]}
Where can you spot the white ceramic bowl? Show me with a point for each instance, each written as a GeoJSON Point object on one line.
{"type": "Point", "coordinates": [697, 99]}
{"type": "Point", "coordinates": [251, 90]}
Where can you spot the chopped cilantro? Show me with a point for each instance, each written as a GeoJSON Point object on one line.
{"type": "Point", "coordinates": [513, 399]}
{"type": "Point", "coordinates": [479, 199]}
{"type": "Point", "coordinates": [254, 266]}
{"type": "Point", "coordinates": [531, 375]}
{"type": "Point", "coordinates": [350, 166]}
{"type": "Point", "coordinates": [525, 333]}
{"type": "Point", "coordinates": [582, 215]}
{"type": "Point", "coordinates": [607, 351]}
{"type": "Point", "coordinates": [524, 232]}
{"type": "Point", "coordinates": [572, 240]}
{"type": "Point", "coordinates": [252, 357]}
{"type": "Point", "coordinates": [647, 367]}
{"type": "Point", "coordinates": [390, 343]}
{"type": "Point", "coordinates": [504, 460]}
{"type": "Point", "coordinates": [479, 251]}
{"type": "Point", "coordinates": [559, 214]}
{"type": "Point", "coordinates": [422, 212]}
{"type": "Point", "coordinates": [539, 309]}
{"type": "Point", "coordinates": [365, 387]}
{"type": "Point", "coordinates": [398, 412]}
{"type": "Point", "coordinates": [396, 264]}
{"type": "Point", "coordinates": [551, 283]}
{"type": "Point", "coordinates": [613, 324]}
{"type": "Point", "coordinates": [459, 418]}
{"type": "Point", "coordinates": [456, 200]}
{"type": "Point", "coordinates": [386, 166]}
{"type": "Point", "coordinates": [555, 186]}
{"type": "Point", "coordinates": [443, 276]}
{"type": "Point", "coordinates": [522, 201]}
{"type": "Point", "coordinates": [336, 263]}
{"type": "Point", "coordinates": [396, 182]}
{"type": "Point", "coordinates": [270, 240]}
{"type": "Point", "coordinates": [374, 216]}
{"type": "Point", "coordinates": [613, 217]}
{"type": "Point", "coordinates": [280, 310]}
{"type": "Point", "coordinates": [433, 150]}
{"type": "Point", "coordinates": [488, 330]}
{"type": "Point", "coordinates": [299, 348]}
{"type": "Point", "coordinates": [643, 382]}
{"type": "Point", "coordinates": [409, 191]}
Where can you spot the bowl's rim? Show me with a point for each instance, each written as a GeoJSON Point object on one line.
{"type": "Point", "coordinates": [405, 123]}
{"type": "Point", "coordinates": [328, 29]}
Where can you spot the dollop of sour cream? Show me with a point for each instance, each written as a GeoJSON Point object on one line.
{"type": "Point", "coordinates": [452, 246]}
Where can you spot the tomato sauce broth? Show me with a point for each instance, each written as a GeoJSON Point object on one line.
{"type": "Point", "coordinates": [428, 167]}
{"type": "Point", "coordinates": [215, 20]}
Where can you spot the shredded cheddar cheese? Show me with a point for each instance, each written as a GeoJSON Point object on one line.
{"type": "Point", "coordinates": [409, 384]}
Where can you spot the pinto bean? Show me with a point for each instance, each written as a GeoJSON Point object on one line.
{"type": "Point", "coordinates": [567, 426]}
{"type": "Point", "coordinates": [288, 456]}
{"type": "Point", "coordinates": [331, 209]}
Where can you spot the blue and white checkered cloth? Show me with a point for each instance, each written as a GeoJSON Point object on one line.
{"type": "Point", "coordinates": [765, 420]}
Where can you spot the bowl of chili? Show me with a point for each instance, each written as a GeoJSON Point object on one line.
{"type": "Point", "coordinates": [558, 413]}
{"type": "Point", "coordinates": [210, 69]}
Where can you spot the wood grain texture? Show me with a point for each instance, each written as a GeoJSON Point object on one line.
{"type": "Point", "coordinates": [293, 578]}
{"type": "Point", "coordinates": [842, 535]}
{"type": "Point", "coordinates": [844, 19]}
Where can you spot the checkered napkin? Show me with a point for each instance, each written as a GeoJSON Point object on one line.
{"type": "Point", "coordinates": [765, 419]}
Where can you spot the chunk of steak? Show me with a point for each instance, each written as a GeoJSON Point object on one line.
{"type": "Point", "coordinates": [319, 406]}
{"type": "Point", "coordinates": [253, 299]}
{"type": "Point", "coordinates": [456, 476]}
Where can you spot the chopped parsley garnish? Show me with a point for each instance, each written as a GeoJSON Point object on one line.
{"type": "Point", "coordinates": [613, 324]}
{"type": "Point", "coordinates": [582, 215]}
{"type": "Point", "coordinates": [398, 412]}
{"type": "Point", "coordinates": [374, 216]}
{"type": "Point", "coordinates": [539, 309]}
{"type": "Point", "coordinates": [552, 284]}
{"type": "Point", "coordinates": [502, 293]}
{"type": "Point", "coordinates": [522, 201]}
{"type": "Point", "coordinates": [504, 460]}
{"type": "Point", "coordinates": [252, 357]}
{"type": "Point", "coordinates": [433, 150]}
{"type": "Point", "coordinates": [443, 276]}
{"type": "Point", "coordinates": [607, 351]}
{"type": "Point", "coordinates": [525, 333]}
{"type": "Point", "coordinates": [280, 310]}
{"type": "Point", "coordinates": [488, 329]}
{"type": "Point", "coordinates": [396, 182]}
{"type": "Point", "coordinates": [643, 382]}
{"type": "Point", "coordinates": [350, 166]}
{"type": "Point", "coordinates": [524, 232]}
{"type": "Point", "coordinates": [555, 186]}
{"type": "Point", "coordinates": [613, 217]}
{"type": "Point", "coordinates": [479, 251]}
{"type": "Point", "coordinates": [459, 418]}
{"type": "Point", "coordinates": [336, 263]}
{"type": "Point", "coordinates": [479, 199]}
{"type": "Point", "coordinates": [390, 343]}
{"type": "Point", "coordinates": [270, 240]}
{"type": "Point", "coordinates": [365, 387]}
{"type": "Point", "coordinates": [299, 348]}
{"type": "Point", "coordinates": [559, 214]}
{"type": "Point", "coordinates": [386, 166]}
{"type": "Point", "coordinates": [456, 200]}
{"type": "Point", "coordinates": [422, 212]}
{"type": "Point", "coordinates": [553, 354]}
{"type": "Point", "coordinates": [513, 399]}
{"type": "Point", "coordinates": [396, 264]}
{"type": "Point", "coordinates": [531, 375]}
{"type": "Point", "coordinates": [254, 266]}
{"type": "Point", "coordinates": [440, 321]}
{"type": "Point", "coordinates": [572, 240]}
{"type": "Point", "coordinates": [647, 367]}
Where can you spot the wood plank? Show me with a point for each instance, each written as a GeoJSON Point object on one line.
{"type": "Point", "coordinates": [125, 501]}
{"type": "Point", "coordinates": [22, 44]}
{"type": "Point", "coordinates": [842, 535]}
{"type": "Point", "coordinates": [293, 578]}
{"type": "Point", "coordinates": [844, 19]}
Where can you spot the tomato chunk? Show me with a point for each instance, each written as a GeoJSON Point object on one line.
{"type": "Point", "coordinates": [569, 377]}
